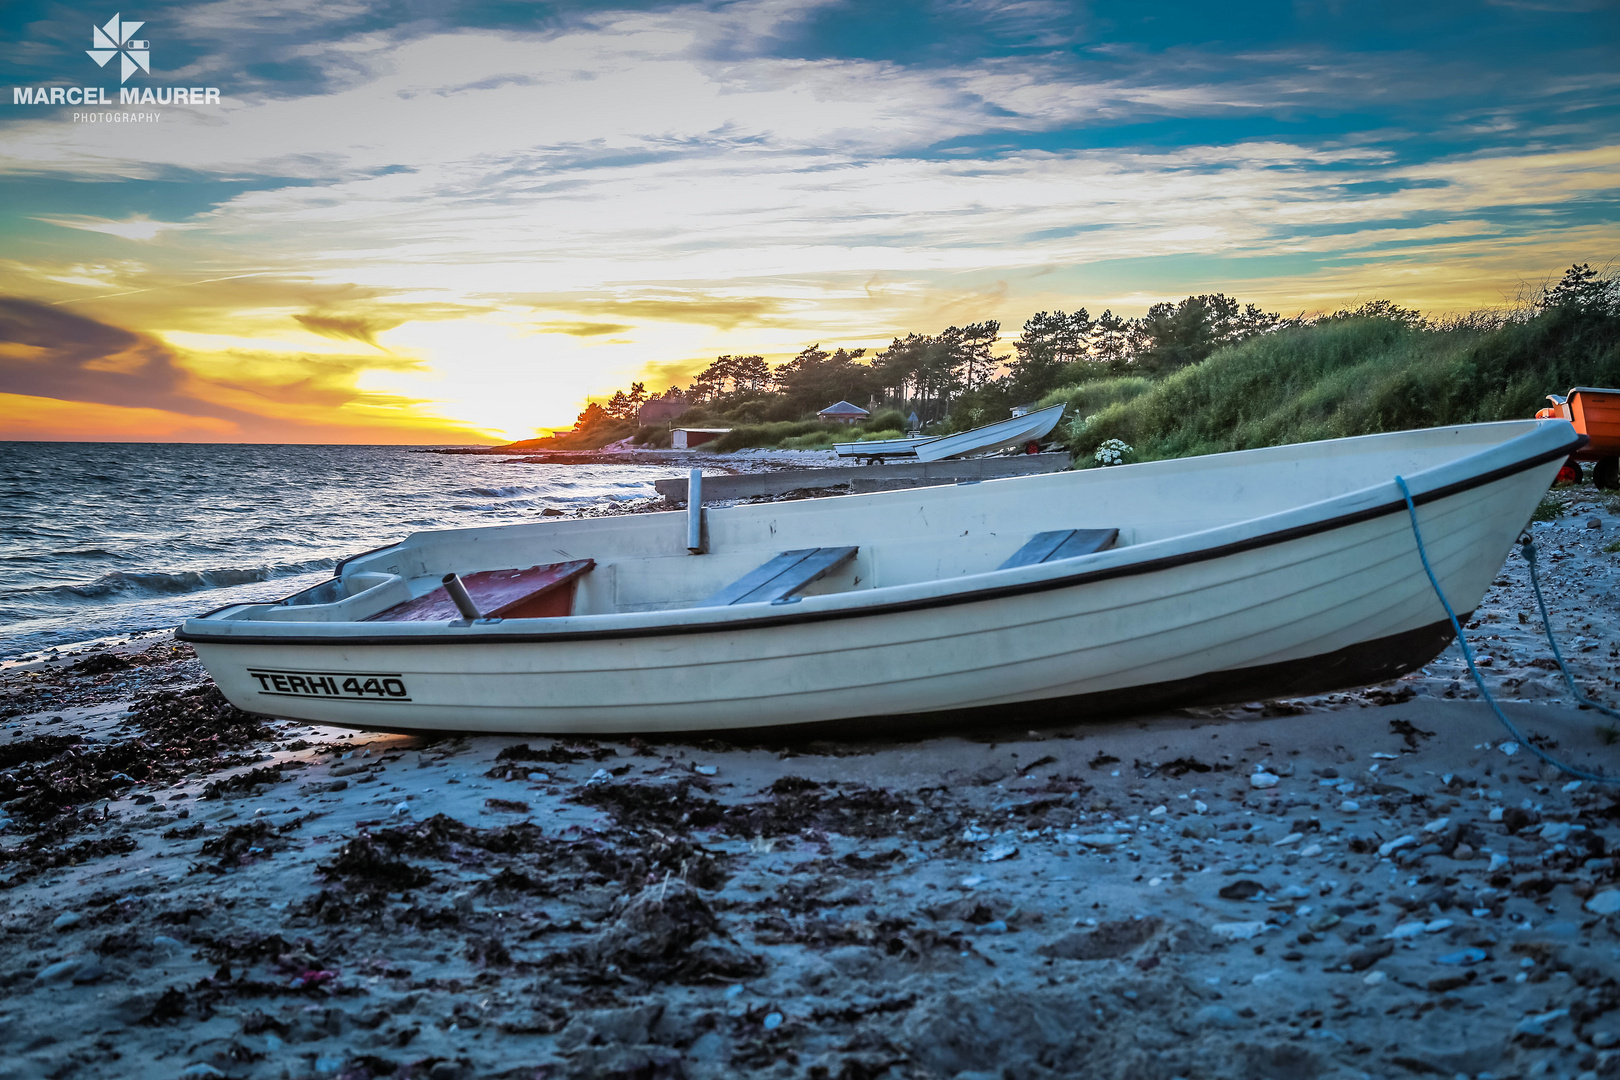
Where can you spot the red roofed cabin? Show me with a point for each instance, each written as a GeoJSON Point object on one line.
{"type": "Point", "coordinates": [842, 412]}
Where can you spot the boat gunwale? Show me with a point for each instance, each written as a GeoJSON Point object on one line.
{"type": "Point", "coordinates": [497, 634]}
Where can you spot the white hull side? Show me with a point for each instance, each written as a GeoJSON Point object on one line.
{"type": "Point", "coordinates": [1307, 597]}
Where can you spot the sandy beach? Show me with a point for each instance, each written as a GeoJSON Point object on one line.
{"type": "Point", "coordinates": [1377, 882]}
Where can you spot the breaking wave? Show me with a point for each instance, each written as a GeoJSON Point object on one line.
{"type": "Point", "coordinates": [167, 583]}
{"type": "Point", "coordinates": [499, 492]}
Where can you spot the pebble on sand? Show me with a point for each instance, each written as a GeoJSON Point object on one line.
{"type": "Point", "coordinates": [999, 852]}
{"type": "Point", "coordinates": [1263, 780]}
{"type": "Point", "coordinates": [1217, 1016]}
{"type": "Point", "coordinates": [1394, 845]}
{"type": "Point", "coordinates": [60, 971]}
{"type": "Point", "coordinates": [1606, 902]}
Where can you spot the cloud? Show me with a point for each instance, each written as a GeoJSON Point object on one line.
{"type": "Point", "coordinates": [353, 328]}
{"type": "Point", "coordinates": [52, 354]}
{"type": "Point", "coordinates": [138, 228]}
{"type": "Point", "coordinates": [585, 329]}
{"type": "Point", "coordinates": [48, 352]}
{"type": "Point", "coordinates": [724, 312]}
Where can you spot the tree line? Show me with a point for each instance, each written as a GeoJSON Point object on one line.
{"type": "Point", "coordinates": [936, 374]}
{"type": "Point", "coordinates": [957, 375]}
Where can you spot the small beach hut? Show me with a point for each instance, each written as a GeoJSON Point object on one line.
{"type": "Point", "coordinates": [842, 412]}
{"type": "Point", "coordinates": [687, 438]}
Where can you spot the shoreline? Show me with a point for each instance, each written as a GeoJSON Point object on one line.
{"type": "Point", "coordinates": [1362, 883]}
{"type": "Point", "coordinates": [747, 460]}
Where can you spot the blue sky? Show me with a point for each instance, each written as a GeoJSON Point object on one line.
{"type": "Point", "coordinates": [436, 220]}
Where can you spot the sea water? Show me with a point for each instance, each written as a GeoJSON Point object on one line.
{"type": "Point", "coordinates": [98, 539]}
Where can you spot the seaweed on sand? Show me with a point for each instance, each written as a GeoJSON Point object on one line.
{"type": "Point", "coordinates": [248, 782]}
{"type": "Point", "coordinates": [667, 933]}
{"type": "Point", "coordinates": [795, 806]}
{"type": "Point", "coordinates": [243, 844]}
{"type": "Point", "coordinates": [183, 733]}
{"type": "Point", "coordinates": [529, 860]}
{"type": "Point", "coordinates": [365, 863]}
{"type": "Point", "coordinates": [37, 855]}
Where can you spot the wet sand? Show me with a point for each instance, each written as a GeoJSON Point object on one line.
{"type": "Point", "coordinates": [1367, 883]}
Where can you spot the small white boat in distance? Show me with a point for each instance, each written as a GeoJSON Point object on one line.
{"type": "Point", "coordinates": [1017, 429]}
{"type": "Point", "coordinates": [1009, 432]}
{"type": "Point", "coordinates": [882, 448]}
{"type": "Point", "coordinates": [1065, 596]}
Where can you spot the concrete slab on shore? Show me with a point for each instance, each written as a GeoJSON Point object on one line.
{"type": "Point", "coordinates": [863, 478]}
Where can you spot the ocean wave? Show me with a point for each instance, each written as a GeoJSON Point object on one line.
{"type": "Point", "coordinates": [509, 504]}
{"type": "Point", "coordinates": [498, 492]}
{"type": "Point", "coordinates": [55, 556]}
{"type": "Point", "coordinates": [170, 583]}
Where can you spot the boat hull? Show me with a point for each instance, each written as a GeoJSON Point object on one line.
{"type": "Point", "coordinates": [880, 448]}
{"type": "Point", "coordinates": [1018, 429]}
{"type": "Point", "coordinates": [1323, 601]}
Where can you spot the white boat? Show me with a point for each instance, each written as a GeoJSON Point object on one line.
{"type": "Point", "coordinates": [1232, 577]}
{"type": "Point", "coordinates": [882, 448]}
{"type": "Point", "coordinates": [1016, 429]}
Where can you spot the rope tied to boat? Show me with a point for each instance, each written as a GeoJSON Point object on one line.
{"type": "Point", "coordinates": [1528, 550]}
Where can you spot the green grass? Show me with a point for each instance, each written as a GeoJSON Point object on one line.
{"type": "Point", "coordinates": [802, 434]}
{"type": "Point", "coordinates": [806, 434]}
{"type": "Point", "coordinates": [1549, 509]}
{"type": "Point", "coordinates": [1354, 377]}
{"type": "Point", "coordinates": [815, 440]}
{"type": "Point", "coordinates": [1087, 398]}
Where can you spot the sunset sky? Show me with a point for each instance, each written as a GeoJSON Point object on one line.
{"type": "Point", "coordinates": [421, 221]}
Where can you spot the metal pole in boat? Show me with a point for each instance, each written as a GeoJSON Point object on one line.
{"type": "Point", "coordinates": [694, 512]}
{"type": "Point", "coordinates": [464, 601]}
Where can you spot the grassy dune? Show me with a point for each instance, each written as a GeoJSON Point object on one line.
{"type": "Point", "coordinates": [1347, 377]}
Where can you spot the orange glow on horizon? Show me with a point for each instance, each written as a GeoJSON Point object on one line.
{"type": "Point", "coordinates": [35, 419]}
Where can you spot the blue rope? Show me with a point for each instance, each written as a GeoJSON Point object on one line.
{"type": "Point", "coordinates": [1468, 653]}
{"type": "Point", "coordinates": [1528, 550]}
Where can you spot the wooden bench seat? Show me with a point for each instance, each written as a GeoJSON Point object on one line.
{"type": "Point", "coordinates": [782, 577]}
{"type": "Point", "coordinates": [540, 592]}
{"type": "Point", "coordinates": [1061, 544]}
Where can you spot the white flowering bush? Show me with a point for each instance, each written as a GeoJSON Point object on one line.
{"type": "Point", "coordinates": [1112, 452]}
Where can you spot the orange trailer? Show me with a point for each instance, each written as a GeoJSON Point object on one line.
{"type": "Point", "coordinates": [1595, 413]}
